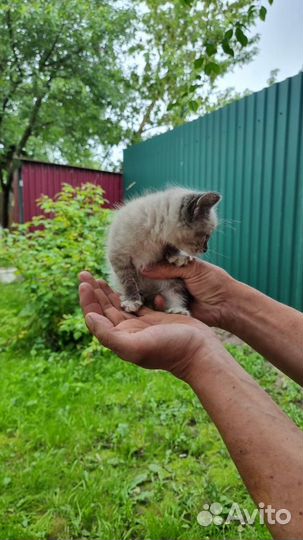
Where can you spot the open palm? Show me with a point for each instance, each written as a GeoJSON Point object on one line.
{"type": "Point", "coordinates": [152, 339]}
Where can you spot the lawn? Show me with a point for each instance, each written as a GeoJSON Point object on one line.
{"type": "Point", "coordinates": [96, 448]}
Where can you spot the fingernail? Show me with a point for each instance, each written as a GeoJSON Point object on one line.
{"type": "Point", "coordinates": [90, 321]}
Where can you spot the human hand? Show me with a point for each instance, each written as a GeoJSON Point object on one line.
{"type": "Point", "coordinates": [151, 339]}
{"type": "Point", "coordinates": [210, 288]}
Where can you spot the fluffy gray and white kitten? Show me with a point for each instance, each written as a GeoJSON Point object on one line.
{"type": "Point", "coordinates": [171, 225]}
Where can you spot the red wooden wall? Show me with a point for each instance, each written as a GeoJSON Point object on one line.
{"type": "Point", "coordinates": [38, 178]}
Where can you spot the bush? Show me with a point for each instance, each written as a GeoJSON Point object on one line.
{"type": "Point", "coordinates": [49, 252]}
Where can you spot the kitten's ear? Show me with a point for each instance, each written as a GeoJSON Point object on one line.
{"type": "Point", "coordinates": [200, 205]}
{"type": "Point", "coordinates": [208, 199]}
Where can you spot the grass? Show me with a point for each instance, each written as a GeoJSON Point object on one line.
{"type": "Point", "coordinates": [100, 449]}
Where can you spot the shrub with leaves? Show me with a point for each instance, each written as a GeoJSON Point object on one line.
{"type": "Point", "coordinates": [49, 252]}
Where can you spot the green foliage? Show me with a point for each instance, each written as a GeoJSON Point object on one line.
{"type": "Point", "coordinates": [239, 16]}
{"type": "Point", "coordinates": [241, 37]}
{"type": "Point", "coordinates": [79, 77]}
{"type": "Point", "coordinates": [188, 44]}
{"type": "Point", "coordinates": [61, 82]}
{"type": "Point", "coordinates": [60, 74]}
{"type": "Point", "coordinates": [227, 48]}
{"type": "Point", "coordinates": [98, 448]}
{"type": "Point", "coordinates": [49, 252]}
{"type": "Point", "coordinates": [262, 13]}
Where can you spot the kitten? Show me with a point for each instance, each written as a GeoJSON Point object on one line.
{"type": "Point", "coordinates": [172, 225]}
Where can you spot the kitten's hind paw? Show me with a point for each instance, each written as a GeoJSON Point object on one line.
{"type": "Point", "coordinates": [131, 306]}
{"type": "Point", "coordinates": [178, 310]}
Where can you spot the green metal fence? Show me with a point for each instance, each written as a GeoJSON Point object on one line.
{"type": "Point", "coordinates": [252, 152]}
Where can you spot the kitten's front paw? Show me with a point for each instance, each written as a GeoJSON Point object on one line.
{"type": "Point", "coordinates": [178, 310]}
{"type": "Point", "coordinates": [180, 259]}
{"type": "Point", "coordinates": [131, 306]}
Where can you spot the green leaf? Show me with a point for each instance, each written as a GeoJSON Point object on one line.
{"type": "Point", "coordinates": [227, 48]}
{"type": "Point", "coordinates": [211, 68]}
{"type": "Point", "coordinates": [193, 105]}
{"type": "Point", "coordinates": [198, 63]}
{"type": "Point", "coordinates": [193, 88]}
{"type": "Point", "coordinates": [144, 496]}
{"type": "Point", "coordinates": [271, 2]}
{"type": "Point", "coordinates": [140, 479]}
{"type": "Point", "coordinates": [6, 481]}
{"type": "Point", "coordinates": [211, 49]}
{"type": "Point", "coordinates": [155, 468]}
{"type": "Point", "coordinates": [241, 37]}
{"type": "Point", "coordinates": [171, 106]}
{"type": "Point", "coordinates": [160, 471]}
{"type": "Point", "coordinates": [262, 13]}
{"type": "Point", "coordinates": [228, 34]}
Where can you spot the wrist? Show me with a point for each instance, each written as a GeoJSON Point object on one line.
{"type": "Point", "coordinates": [241, 308]}
{"type": "Point", "coordinates": [238, 296]}
{"type": "Point", "coordinates": [207, 352]}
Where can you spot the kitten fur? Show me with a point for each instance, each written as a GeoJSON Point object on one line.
{"type": "Point", "coordinates": [172, 225]}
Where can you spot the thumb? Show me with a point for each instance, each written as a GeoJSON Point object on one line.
{"type": "Point", "coordinates": [100, 327]}
{"type": "Point", "coordinates": [170, 271]}
{"type": "Point", "coordinates": [121, 343]}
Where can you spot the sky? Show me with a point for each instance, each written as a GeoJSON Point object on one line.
{"type": "Point", "coordinates": [280, 46]}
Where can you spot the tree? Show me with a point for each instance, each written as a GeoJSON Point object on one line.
{"type": "Point", "coordinates": [78, 77]}
{"type": "Point", "coordinates": [59, 80]}
{"type": "Point", "coordinates": [272, 79]}
{"type": "Point", "coordinates": [180, 48]}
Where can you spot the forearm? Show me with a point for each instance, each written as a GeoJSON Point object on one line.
{"type": "Point", "coordinates": [264, 444]}
{"type": "Point", "coordinates": [271, 328]}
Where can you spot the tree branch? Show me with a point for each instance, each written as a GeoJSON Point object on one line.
{"type": "Point", "coordinates": [13, 43]}
{"type": "Point", "coordinates": [30, 126]}
{"type": "Point", "coordinates": [33, 118]}
{"type": "Point", "coordinates": [61, 61]}
{"type": "Point", "coordinates": [146, 117]}
{"type": "Point", "coordinates": [17, 82]}
{"type": "Point", "coordinates": [6, 161]}
{"type": "Point", "coordinates": [8, 97]}
{"type": "Point", "coordinates": [47, 54]}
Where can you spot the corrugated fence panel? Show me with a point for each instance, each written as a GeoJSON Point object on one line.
{"type": "Point", "coordinates": [251, 151]}
{"type": "Point", "coordinates": [47, 179]}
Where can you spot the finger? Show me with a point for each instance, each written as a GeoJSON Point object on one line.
{"type": "Point", "coordinates": [109, 310]}
{"type": "Point", "coordinates": [159, 302]}
{"type": "Point", "coordinates": [121, 343]}
{"type": "Point", "coordinates": [99, 326]}
{"type": "Point", "coordinates": [144, 310]}
{"type": "Point", "coordinates": [159, 305]}
{"type": "Point", "coordinates": [170, 271]}
{"type": "Point", "coordinates": [86, 277]}
{"type": "Point", "coordinates": [88, 300]}
{"type": "Point", "coordinates": [112, 295]}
